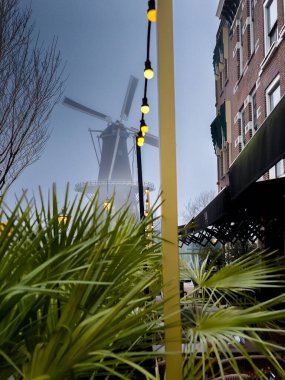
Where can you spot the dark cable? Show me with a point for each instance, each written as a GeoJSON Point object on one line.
{"type": "Point", "coordinates": [138, 148]}
{"type": "Point", "coordinates": [148, 41]}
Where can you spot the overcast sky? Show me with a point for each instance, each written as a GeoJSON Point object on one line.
{"type": "Point", "coordinates": [102, 43]}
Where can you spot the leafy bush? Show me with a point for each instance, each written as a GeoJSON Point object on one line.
{"type": "Point", "coordinates": [76, 293]}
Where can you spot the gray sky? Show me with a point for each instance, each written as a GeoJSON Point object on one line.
{"type": "Point", "coordinates": [102, 44]}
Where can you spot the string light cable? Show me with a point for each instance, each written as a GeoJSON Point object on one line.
{"type": "Point", "coordinates": [148, 74]}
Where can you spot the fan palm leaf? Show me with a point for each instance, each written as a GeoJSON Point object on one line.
{"type": "Point", "coordinates": [225, 324]}
{"type": "Point", "coordinates": [72, 293]}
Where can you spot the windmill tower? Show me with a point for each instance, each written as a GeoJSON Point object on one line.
{"type": "Point", "coordinates": [111, 149]}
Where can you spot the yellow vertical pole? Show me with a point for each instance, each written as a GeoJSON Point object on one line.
{"type": "Point", "coordinates": [169, 221]}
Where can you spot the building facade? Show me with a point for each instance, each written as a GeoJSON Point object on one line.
{"type": "Point", "coordinates": [249, 67]}
{"type": "Point", "coordinates": [248, 131]}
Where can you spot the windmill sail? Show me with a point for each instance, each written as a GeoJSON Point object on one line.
{"type": "Point", "coordinates": [133, 82]}
{"type": "Point", "coordinates": [80, 107]}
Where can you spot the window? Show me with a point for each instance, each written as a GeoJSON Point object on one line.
{"type": "Point", "coordinates": [280, 168]}
{"type": "Point", "coordinates": [226, 69]}
{"type": "Point", "coordinates": [272, 173]}
{"type": "Point", "coordinates": [221, 81]}
{"type": "Point", "coordinates": [242, 124]}
{"type": "Point", "coordinates": [272, 98]}
{"type": "Point", "coordinates": [273, 95]}
{"type": "Point", "coordinates": [254, 111]}
{"type": "Point", "coordinates": [251, 39]}
{"type": "Point", "coordinates": [221, 164]}
{"type": "Point", "coordinates": [241, 48]}
{"type": "Point", "coordinates": [241, 140]}
{"type": "Point", "coordinates": [270, 23]}
{"type": "Point", "coordinates": [252, 9]}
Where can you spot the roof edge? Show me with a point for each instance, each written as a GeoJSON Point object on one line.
{"type": "Point", "coordinates": [220, 8]}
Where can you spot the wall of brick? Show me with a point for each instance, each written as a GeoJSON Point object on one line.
{"type": "Point", "coordinates": [255, 74]}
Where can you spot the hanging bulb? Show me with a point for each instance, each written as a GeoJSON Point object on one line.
{"type": "Point", "coordinates": [148, 71]}
{"type": "Point", "coordinates": [144, 106]}
{"type": "Point", "coordinates": [144, 127]}
{"type": "Point", "coordinates": [2, 227]}
{"type": "Point", "coordinates": [140, 139]}
{"type": "Point", "coordinates": [62, 218]}
{"type": "Point", "coordinates": [107, 204]}
{"type": "Point", "coordinates": [151, 12]}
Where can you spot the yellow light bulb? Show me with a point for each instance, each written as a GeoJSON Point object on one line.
{"type": "Point", "coordinates": [148, 73]}
{"type": "Point", "coordinates": [151, 15]}
{"type": "Point", "coordinates": [140, 141]}
{"type": "Point", "coordinates": [2, 227]}
{"type": "Point", "coordinates": [145, 108]}
{"type": "Point", "coordinates": [62, 219]}
{"type": "Point", "coordinates": [107, 205]}
{"type": "Point", "coordinates": [144, 129]}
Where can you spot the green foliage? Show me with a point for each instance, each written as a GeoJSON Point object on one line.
{"type": "Point", "coordinates": [225, 324]}
{"type": "Point", "coordinates": [77, 299]}
{"type": "Point", "coordinates": [73, 299]}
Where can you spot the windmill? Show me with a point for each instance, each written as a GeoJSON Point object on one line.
{"type": "Point", "coordinates": [111, 149]}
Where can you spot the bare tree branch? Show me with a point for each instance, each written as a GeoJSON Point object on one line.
{"type": "Point", "coordinates": [30, 86]}
{"type": "Point", "coordinates": [192, 208]}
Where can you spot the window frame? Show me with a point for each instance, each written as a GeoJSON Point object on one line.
{"type": "Point", "coordinates": [272, 172]}
{"type": "Point", "coordinates": [251, 25]}
{"type": "Point", "coordinates": [243, 125]}
{"type": "Point", "coordinates": [282, 172]}
{"type": "Point", "coordinates": [253, 110]}
{"type": "Point", "coordinates": [241, 47]}
{"type": "Point", "coordinates": [269, 91]}
{"type": "Point", "coordinates": [242, 135]}
{"type": "Point", "coordinates": [274, 28]}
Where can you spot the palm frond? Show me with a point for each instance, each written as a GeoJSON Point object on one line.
{"type": "Point", "coordinates": [70, 291]}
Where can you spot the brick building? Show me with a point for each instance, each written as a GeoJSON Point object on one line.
{"type": "Point", "coordinates": [249, 65]}
{"type": "Point", "coordinates": [248, 131]}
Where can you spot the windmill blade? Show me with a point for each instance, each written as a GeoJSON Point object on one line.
{"type": "Point", "coordinates": [95, 130]}
{"type": "Point", "coordinates": [148, 138]}
{"type": "Point", "coordinates": [151, 140]}
{"type": "Point", "coordinates": [89, 111]}
{"type": "Point", "coordinates": [133, 82]}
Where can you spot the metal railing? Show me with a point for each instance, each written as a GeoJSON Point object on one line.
{"type": "Point", "coordinates": [91, 186]}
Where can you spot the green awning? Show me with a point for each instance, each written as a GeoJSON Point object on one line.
{"type": "Point", "coordinates": [218, 56]}
{"type": "Point", "coordinates": [219, 128]}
